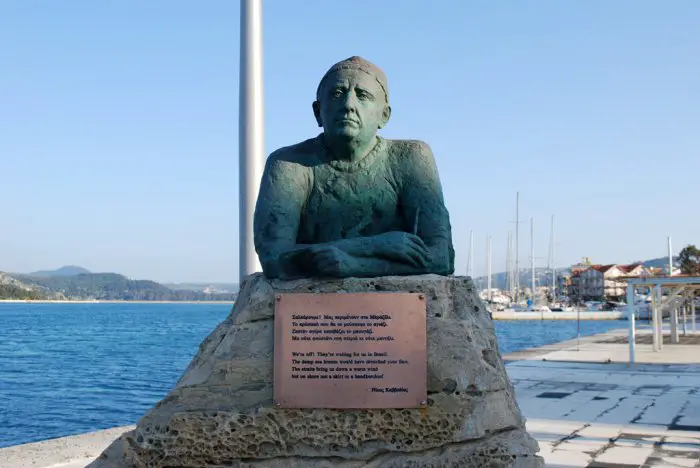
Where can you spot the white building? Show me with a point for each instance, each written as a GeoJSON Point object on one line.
{"type": "Point", "coordinates": [599, 281]}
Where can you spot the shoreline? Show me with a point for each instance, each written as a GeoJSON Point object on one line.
{"type": "Point", "coordinates": [568, 315]}
{"type": "Point", "coordinates": [496, 315]}
{"type": "Point", "coordinates": [100, 301]}
{"type": "Point", "coordinates": [537, 352]}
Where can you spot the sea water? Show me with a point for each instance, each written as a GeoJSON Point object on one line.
{"type": "Point", "coordinates": [70, 368]}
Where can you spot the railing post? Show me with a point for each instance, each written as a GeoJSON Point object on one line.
{"type": "Point", "coordinates": [674, 323]}
{"type": "Point", "coordinates": [631, 317]}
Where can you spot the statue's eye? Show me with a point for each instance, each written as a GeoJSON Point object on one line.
{"type": "Point", "coordinates": [337, 92]}
{"type": "Point", "coordinates": [364, 96]}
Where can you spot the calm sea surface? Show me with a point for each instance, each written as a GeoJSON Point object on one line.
{"type": "Point", "coordinates": [73, 368]}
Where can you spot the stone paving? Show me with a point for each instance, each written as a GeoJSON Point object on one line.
{"type": "Point", "coordinates": [593, 414]}
{"type": "Point", "coordinates": [646, 338]}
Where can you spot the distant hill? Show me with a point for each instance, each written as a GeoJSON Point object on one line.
{"type": "Point", "coordinates": [107, 286]}
{"type": "Point", "coordinates": [661, 262]}
{"type": "Point", "coordinates": [69, 270]}
{"type": "Point", "coordinates": [542, 277]}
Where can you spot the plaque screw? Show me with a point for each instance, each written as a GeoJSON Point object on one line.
{"type": "Point", "coordinates": [278, 297]}
{"type": "Point", "coordinates": [277, 403]}
{"type": "Point", "coordinates": [422, 402]}
{"type": "Point", "coordinates": [421, 296]}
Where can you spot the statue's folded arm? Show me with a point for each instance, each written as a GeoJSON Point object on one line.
{"type": "Point", "coordinates": [283, 192]}
{"type": "Point", "coordinates": [422, 201]}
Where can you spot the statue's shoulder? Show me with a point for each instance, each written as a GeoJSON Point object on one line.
{"type": "Point", "coordinates": [298, 156]}
{"type": "Point", "coordinates": [405, 153]}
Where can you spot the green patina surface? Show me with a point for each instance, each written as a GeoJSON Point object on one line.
{"type": "Point", "coordinates": [349, 203]}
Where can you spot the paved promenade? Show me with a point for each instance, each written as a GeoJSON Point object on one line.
{"type": "Point", "coordinates": [584, 404]}
{"type": "Point", "coordinates": [588, 408]}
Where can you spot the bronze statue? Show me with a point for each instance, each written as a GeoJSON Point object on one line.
{"type": "Point", "coordinates": [349, 203]}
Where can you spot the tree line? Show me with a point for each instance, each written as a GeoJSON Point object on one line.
{"type": "Point", "coordinates": [689, 259]}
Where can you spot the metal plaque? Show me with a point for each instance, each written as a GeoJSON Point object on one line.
{"type": "Point", "coordinates": [350, 350]}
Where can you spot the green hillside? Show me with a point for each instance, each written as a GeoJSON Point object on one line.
{"type": "Point", "coordinates": [10, 291]}
{"type": "Point", "coordinates": [112, 286]}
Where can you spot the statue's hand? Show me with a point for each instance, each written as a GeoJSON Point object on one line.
{"type": "Point", "coordinates": [402, 247]}
{"type": "Point", "coordinates": [331, 261]}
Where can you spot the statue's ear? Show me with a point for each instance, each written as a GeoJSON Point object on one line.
{"type": "Point", "coordinates": [317, 112]}
{"type": "Point", "coordinates": [386, 115]}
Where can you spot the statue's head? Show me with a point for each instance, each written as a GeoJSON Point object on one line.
{"type": "Point", "coordinates": [352, 101]}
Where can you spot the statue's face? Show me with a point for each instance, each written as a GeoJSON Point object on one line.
{"type": "Point", "coordinates": [352, 106]}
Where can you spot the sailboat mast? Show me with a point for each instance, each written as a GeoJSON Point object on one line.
{"type": "Point", "coordinates": [488, 267]}
{"type": "Point", "coordinates": [553, 267]}
{"type": "Point", "coordinates": [470, 257]}
{"type": "Point", "coordinates": [512, 269]}
{"type": "Point", "coordinates": [516, 273]}
{"type": "Point", "coordinates": [532, 253]}
{"type": "Point", "coordinates": [509, 261]}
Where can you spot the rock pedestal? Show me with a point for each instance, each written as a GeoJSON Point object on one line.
{"type": "Point", "coordinates": [221, 412]}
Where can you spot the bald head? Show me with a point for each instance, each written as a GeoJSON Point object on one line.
{"type": "Point", "coordinates": [360, 64]}
{"type": "Point", "coordinates": [352, 103]}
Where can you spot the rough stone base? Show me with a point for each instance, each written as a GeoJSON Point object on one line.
{"type": "Point", "coordinates": [221, 412]}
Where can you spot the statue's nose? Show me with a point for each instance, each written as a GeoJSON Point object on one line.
{"type": "Point", "coordinates": [350, 101]}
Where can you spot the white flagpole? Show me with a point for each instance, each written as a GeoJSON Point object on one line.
{"type": "Point", "coordinates": [251, 132]}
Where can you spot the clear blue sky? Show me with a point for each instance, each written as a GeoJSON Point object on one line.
{"type": "Point", "coordinates": [119, 122]}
